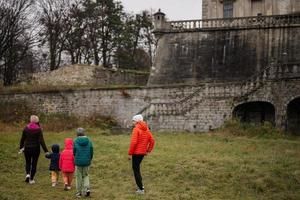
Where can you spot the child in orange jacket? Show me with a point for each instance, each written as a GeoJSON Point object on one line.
{"type": "Point", "coordinates": [142, 143]}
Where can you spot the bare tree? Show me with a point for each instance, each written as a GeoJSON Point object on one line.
{"type": "Point", "coordinates": [136, 38]}
{"type": "Point", "coordinates": [75, 27]}
{"type": "Point", "coordinates": [149, 42]}
{"type": "Point", "coordinates": [104, 25]}
{"type": "Point", "coordinates": [52, 15]}
{"type": "Point", "coordinates": [15, 37]}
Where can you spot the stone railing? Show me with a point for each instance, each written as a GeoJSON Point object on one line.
{"type": "Point", "coordinates": [237, 22]}
{"type": "Point", "coordinates": [255, 82]}
{"type": "Point", "coordinates": [274, 71]}
{"type": "Point", "coordinates": [173, 108]}
{"type": "Point", "coordinates": [286, 70]}
{"type": "Point", "coordinates": [237, 91]}
{"type": "Point", "coordinates": [188, 103]}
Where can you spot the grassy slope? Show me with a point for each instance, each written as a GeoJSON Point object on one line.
{"type": "Point", "coordinates": [182, 166]}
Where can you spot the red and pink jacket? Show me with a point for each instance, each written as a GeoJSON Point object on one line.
{"type": "Point", "coordinates": [66, 161]}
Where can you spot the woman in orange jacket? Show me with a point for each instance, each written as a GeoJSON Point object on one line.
{"type": "Point", "coordinates": [142, 143]}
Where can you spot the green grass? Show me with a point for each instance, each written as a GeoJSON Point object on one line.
{"type": "Point", "coordinates": [182, 166]}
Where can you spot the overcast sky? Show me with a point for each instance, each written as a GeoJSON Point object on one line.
{"type": "Point", "coordinates": [174, 9]}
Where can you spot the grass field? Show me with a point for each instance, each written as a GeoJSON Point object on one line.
{"type": "Point", "coordinates": [182, 166]}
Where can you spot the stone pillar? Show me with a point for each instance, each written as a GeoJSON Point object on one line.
{"type": "Point", "coordinates": [283, 7]}
{"type": "Point", "coordinates": [205, 9]}
{"type": "Point", "coordinates": [280, 119]}
{"type": "Point", "coordinates": [295, 6]}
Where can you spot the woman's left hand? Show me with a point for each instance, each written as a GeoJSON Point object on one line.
{"type": "Point", "coordinates": [21, 151]}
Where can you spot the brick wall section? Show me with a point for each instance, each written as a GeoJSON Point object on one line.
{"type": "Point", "coordinates": [106, 102]}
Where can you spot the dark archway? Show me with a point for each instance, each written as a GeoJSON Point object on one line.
{"type": "Point", "coordinates": [255, 112]}
{"type": "Point", "coordinates": [293, 117]}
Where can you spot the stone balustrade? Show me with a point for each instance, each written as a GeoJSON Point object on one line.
{"type": "Point", "coordinates": [237, 22]}
{"type": "Point", "coordinates": [235, 90]}
{"type": "Point", "coordinates": [273, 71]}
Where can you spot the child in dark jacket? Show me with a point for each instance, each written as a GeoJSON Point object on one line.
{"type": "Point", "coordinates": [54, 164]}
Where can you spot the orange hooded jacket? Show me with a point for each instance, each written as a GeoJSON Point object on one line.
{"type": "Point", "coordinates": [142, 141]}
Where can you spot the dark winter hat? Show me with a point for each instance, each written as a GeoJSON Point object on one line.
{"type": "Point", "coordinates": [55, 148]}
{"type": "Point", "coordinates": [80, 131]}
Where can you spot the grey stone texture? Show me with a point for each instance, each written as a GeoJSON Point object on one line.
{"type": "Point", "coordinates": [190, 108]}
{"type": "Point", "coordinates": [190, 56]}
{"type": "Point", "coordinates": [88, 75]}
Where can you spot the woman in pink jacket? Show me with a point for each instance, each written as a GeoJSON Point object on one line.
{"type": "Point", "coordinates": [66, 163]}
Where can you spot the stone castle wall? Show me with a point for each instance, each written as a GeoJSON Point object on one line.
{"type": "Point", "coordinates": [121, 104]}
{"type": "Point", "coordinates": [195, 55]}
{"type": "Point", "coordinates": [211, 104]}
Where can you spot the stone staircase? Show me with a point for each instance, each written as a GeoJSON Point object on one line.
{"type": "Point", "coordinates": [255, 82]}
{"type": "Point", "coordinates": [179, 107]}
{"type": "Point", "coordinates": [187, 103]}
{"type": "Point", "coordinates": [273, 71]}
{"type": "Point", "coordinates": [182, 107]}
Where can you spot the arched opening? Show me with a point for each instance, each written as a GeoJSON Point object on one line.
{"type": "Point", "coordinates": [293, 117]}
{"type": "Point", "coordinates": [255, 112]}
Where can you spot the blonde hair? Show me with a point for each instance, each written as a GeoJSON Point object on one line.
{"type": "Point", "coordinates": [34, 119]}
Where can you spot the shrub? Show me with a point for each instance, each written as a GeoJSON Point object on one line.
{"type": "Point", "coordinates": [237, 128]}
{"type": "Point", "coordinates": [59, 121]}
{"type": "Point", "coordinates": [14, 112]}
{"type": "Point", "coordinates": [15, 115]}
{"type": "Point", "coordinates": [102, 122]}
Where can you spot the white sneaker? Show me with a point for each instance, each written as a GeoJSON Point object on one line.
{"type": "Point", "coordinates": [139, 191]}
{"type": "Point", "coordinates": [78, 194]}
{"type": "Point", "coordinates": [69, 187]}
{"type": "Point", "coordinates": [31, 182]}
{"type": "Point", "coordinates": [27, 178]}
{"type": "Point", "coordinates": [53, 184]}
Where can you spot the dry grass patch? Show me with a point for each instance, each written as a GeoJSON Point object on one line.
{"type": "Point", "coordinates": [182, 166]}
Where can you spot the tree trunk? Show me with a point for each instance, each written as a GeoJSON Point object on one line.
{"type": "Point", "coordinates": [52, 54]}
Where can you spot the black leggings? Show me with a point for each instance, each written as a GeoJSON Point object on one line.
{"type": "Point", "coordinates": [136, 162]}
{"type": "Point", "coordinates": [31, 157]}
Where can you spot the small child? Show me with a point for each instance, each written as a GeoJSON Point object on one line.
{"type": "Point", "coordinates": [83, 152]}
{"type": "Point", "coordinates": [54, 164]}
{"type": "Point", "coordinates": [66, 163]}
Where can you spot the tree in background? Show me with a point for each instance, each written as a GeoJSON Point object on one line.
{"type": "Point", "coordinates": [75, 36]}
{"type": "Point", "coordinates": [104, 25]}
{"type": "Point", "coordinates": [50, 33]}
{"type": "Point", "coordinates": [15, 37]}
{"type": "Point", "coordinates": [52, 17]}
{"type": "Point", "coordinates": [136, 41]}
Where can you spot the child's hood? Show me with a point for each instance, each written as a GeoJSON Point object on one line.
{"type": "Point", "coordinates": [82, 140]}
{"type": "Point", "coordinates": [142, 125]}
{"type": "Point", "coordinates": [68, 143]}
{"type": "Point", "coordinates": [55, 148]}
